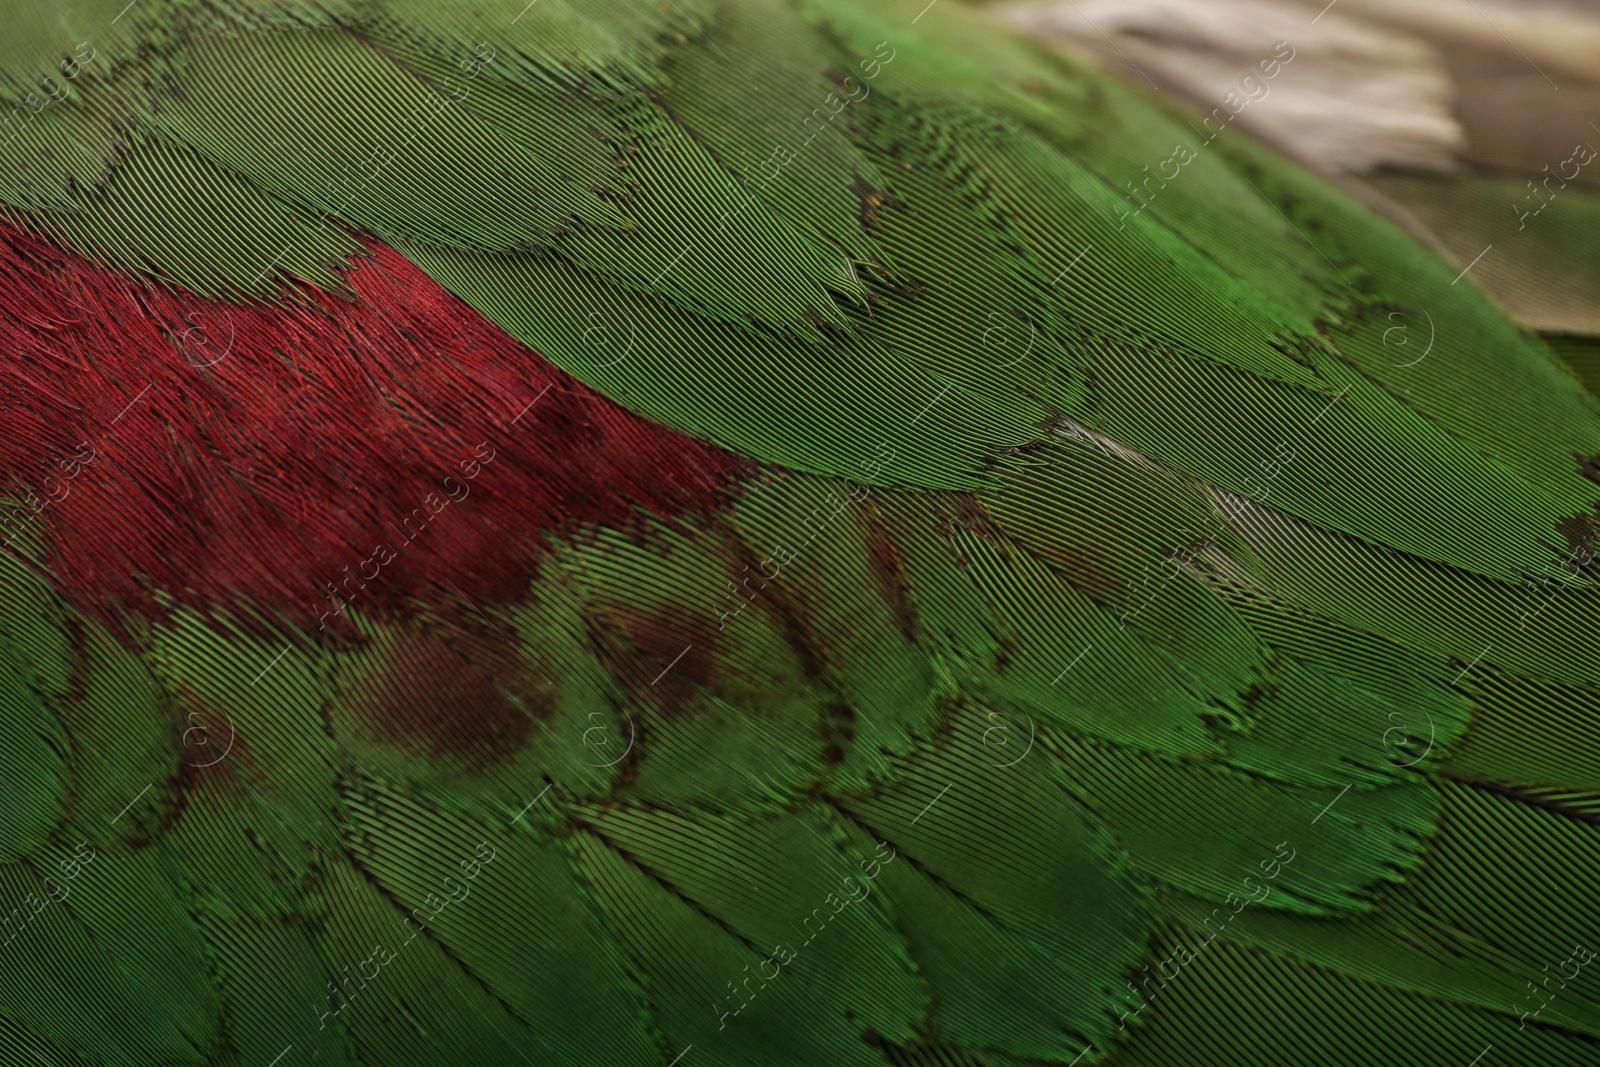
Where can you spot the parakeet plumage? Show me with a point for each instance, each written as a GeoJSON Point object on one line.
{"type": "Point", "coordinates": [759, 532]}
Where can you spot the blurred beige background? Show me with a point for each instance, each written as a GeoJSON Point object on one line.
{"type": "Point", "coordinates": [1439, 113]}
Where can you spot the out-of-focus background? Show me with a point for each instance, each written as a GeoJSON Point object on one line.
{"type": "Point", "coordinates": [1473, 123]}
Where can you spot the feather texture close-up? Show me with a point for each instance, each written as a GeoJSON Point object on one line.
{"type": "Point", "coordinates": [799, 533]}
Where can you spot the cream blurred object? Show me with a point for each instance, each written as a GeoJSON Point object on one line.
{"type": "Point", "coordinates": [1453, 117]}
{"type": "Point", "coordinates": [1359, 96]}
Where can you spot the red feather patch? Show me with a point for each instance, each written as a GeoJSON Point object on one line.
{"type": "Point", "coordinates": [363, 450]}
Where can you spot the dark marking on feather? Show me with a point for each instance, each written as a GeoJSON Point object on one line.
{"type": "Point", "coordinates": [434, 693]}
{"type": "Point", "coordinates": [667, 656]}
{"type": "Point", "coordinates": [838, 729]}
{"type": "Point", "coordinates": [1259, 691]}
{"type": "Point", "coordinates": [1005, 652]}
{"type": "Point", "coordinates": [1580, 532]}
{"type": "Point", "coordinates": [888, 567]}
{"type": "Point", "coordinates": [785, 609]}
{"type": "Point", "coordinates": [1588, 466]}
{"type": "Point", "coordinates": [872, 202]}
